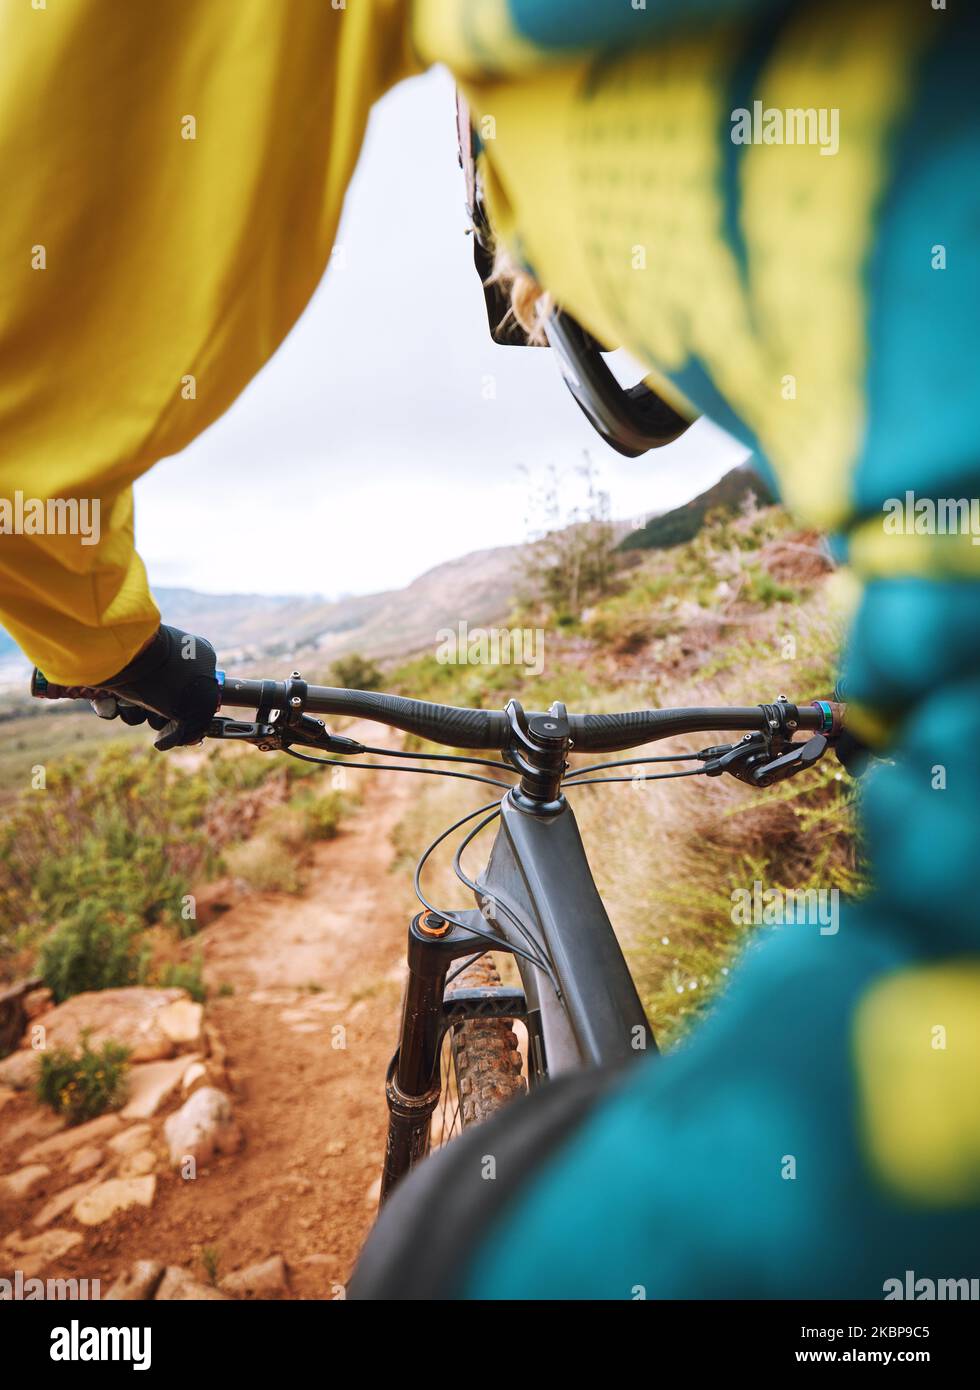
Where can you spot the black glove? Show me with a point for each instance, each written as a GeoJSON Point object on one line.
{"type": "Point", "coordinates": [171, 684]}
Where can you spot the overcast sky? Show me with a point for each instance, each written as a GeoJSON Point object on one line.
{"type": "Point", "coordinates": [366, 452]}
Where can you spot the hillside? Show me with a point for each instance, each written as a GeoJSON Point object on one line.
{"type": "Point", "coordinates": [683, 523]}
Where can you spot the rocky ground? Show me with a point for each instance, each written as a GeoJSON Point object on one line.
{"type": "Point", "coordinates": [245, 1161]}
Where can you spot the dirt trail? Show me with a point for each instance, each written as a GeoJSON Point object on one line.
{"type": "Point", "coordinates": [309, 1030]}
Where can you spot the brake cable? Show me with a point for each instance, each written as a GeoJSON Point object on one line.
{"type": "Point", "coordinates": [498, 901]}
{"type": "Point", "coordinates": [497, 941]}
{"type": "Point", "coordinates": [391, 767]}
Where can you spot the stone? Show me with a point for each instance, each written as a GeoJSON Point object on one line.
{"type": "Point", "coordinates": [130, 1016]}
{"type": "Point", "coordinates": [117, 1194]}
{"type": "Point", "coordinates": [182, 1022]}
{"type": "Point", "coordinates": [264, 1280]}
{"type": "Point", "coordinates": [73, 1138]}
{"type": "Point", "coordinates": [33, 1253]}
{"type": "Point", "coordinates": [85, 1160]}
{"type": "Point", "coordinates": [204, 1125]}
{"type": "Point", "coordinates": [335, 1148]}
{"type": "Point", "coordinates": [136, 1165]}
{"type": "Point", "coordinates": [7, 1094]}
{"type": "Point", "coordinates": [139, 1281]}
{"type": "Point", "coordinates": [151, 1084]}
{"type": "Point", "coordinates": [177, 1286]}
{"type": "Point", "coordinates": [61, 1202]}
{"type": "Point", "coordinates": [20, 1069]}
{"type": "Point", "coordinates": [23, 1182]}
{"type": "Point", "coordinates": [136, 1137]}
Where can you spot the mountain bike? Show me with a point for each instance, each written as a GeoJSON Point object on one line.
{"type": "Point", "coordinates": [458, 1059]}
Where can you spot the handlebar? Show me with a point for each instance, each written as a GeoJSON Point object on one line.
{"type": "Point", "coordinates": [459, 727]}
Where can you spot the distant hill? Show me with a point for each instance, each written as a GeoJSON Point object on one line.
{"type": "Point", "coordinates": [683, 523]}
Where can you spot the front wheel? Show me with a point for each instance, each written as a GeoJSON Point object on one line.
{"type": "Point", "coordinates": [482, 1067]}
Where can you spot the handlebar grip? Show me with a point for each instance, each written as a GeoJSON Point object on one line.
{"type": "Point", "coordinates": [42, 689]}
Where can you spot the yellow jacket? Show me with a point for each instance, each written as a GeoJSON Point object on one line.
{"type": "Point", "coordinates": [173, 177]}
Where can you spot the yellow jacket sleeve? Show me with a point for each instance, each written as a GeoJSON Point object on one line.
{"type": "Point", "coordinates": [174, 174]}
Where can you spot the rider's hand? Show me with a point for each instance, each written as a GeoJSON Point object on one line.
{"type": "Point", "coordinates": [171, 684]}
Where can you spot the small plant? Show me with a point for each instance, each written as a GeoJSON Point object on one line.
{"type": "Point", "coordinates": [356, 672]}
{"type": "Point", "coordinates": [92, 948]}
{"type": "Point", "coordinates": [322, 815]}
{"type": "Point", "coordinates": [264, 864]}
{"type": "Point", "coordinates": [185, 975]}
{"type": "Point", "coordinates": [84, 1084]}
{"type": "Point", "coordinates": [210, 1259]}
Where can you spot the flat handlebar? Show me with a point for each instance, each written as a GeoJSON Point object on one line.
{"type": "Point", "coordinates": [459, 727]}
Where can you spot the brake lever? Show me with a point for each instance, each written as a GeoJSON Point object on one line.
{"type": "Point", "coordinates": [751, 760]}
{"type": "Point", "coordinates": [797, 758]}
{"type": "Point", "coordinates": [273, 736]}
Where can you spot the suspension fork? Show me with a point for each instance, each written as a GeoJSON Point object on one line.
{"type": "Point", "coordinates": [413, 1084]}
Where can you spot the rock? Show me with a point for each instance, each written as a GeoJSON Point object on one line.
{"type": "Point", "coordinates": [7, 1094]}
{"type": "Point", "coordinates": [265, 1280]}
{"type": "Point", "coordinates": [136, 1165]}
{"type": "Point", "coordinates": [19, 1069]}
{"type": "Point", "coordinates": [182, 1022]}
{"type": "Point", "coordinates": [62, 1201]}
{"type": "Point", "coordinates": [135, 1137]}
{"type": "Point", "coordinates": [38, 1001]}
{"type": "Point", "coordinates": [202, 1126]}
{"type": "Point", "coordinates": [72, 1138]}
{"type": "Point", "coordinates": [85, 1160]}
{"type": "Point", "coordinates": [34, 1252]}
{"type": "Point", "coordinates": [139, 1281]}
{"type": "Point", "coordinates": [151, 1084]}
{"type": "Point", "coordinates": [117, 1194]}
{"type": "Point", "coordinates": [130, 1016]}
{"type": "Point", "coordinates": [177, 1286]}
{"type": "Point", "coordinates": [23, 1182]}
{"type": "Point", "coordinates": [335, 1148]}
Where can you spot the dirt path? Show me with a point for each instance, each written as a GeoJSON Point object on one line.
{"type": "Point", "coordinates": [309, 1029]}
{"type": "Point", "coordinates": [309, 1032]}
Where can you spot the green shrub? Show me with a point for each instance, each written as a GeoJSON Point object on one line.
{"type": "Point", "coordinates": [92, 948]}
{"type": "Point", "coordinates": [264, 863]}
{"type": "Point", "coordinates": [321, 814]}
{"type": "Point", "coordinates": [185, 975]}
{"type": "Point", "coordinates": [356, 672]}
{"type": "Point", "coordinates": [84, 1084]}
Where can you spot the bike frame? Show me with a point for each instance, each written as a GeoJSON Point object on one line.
{"type": "Point", "coordinates": [588, 1014]}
